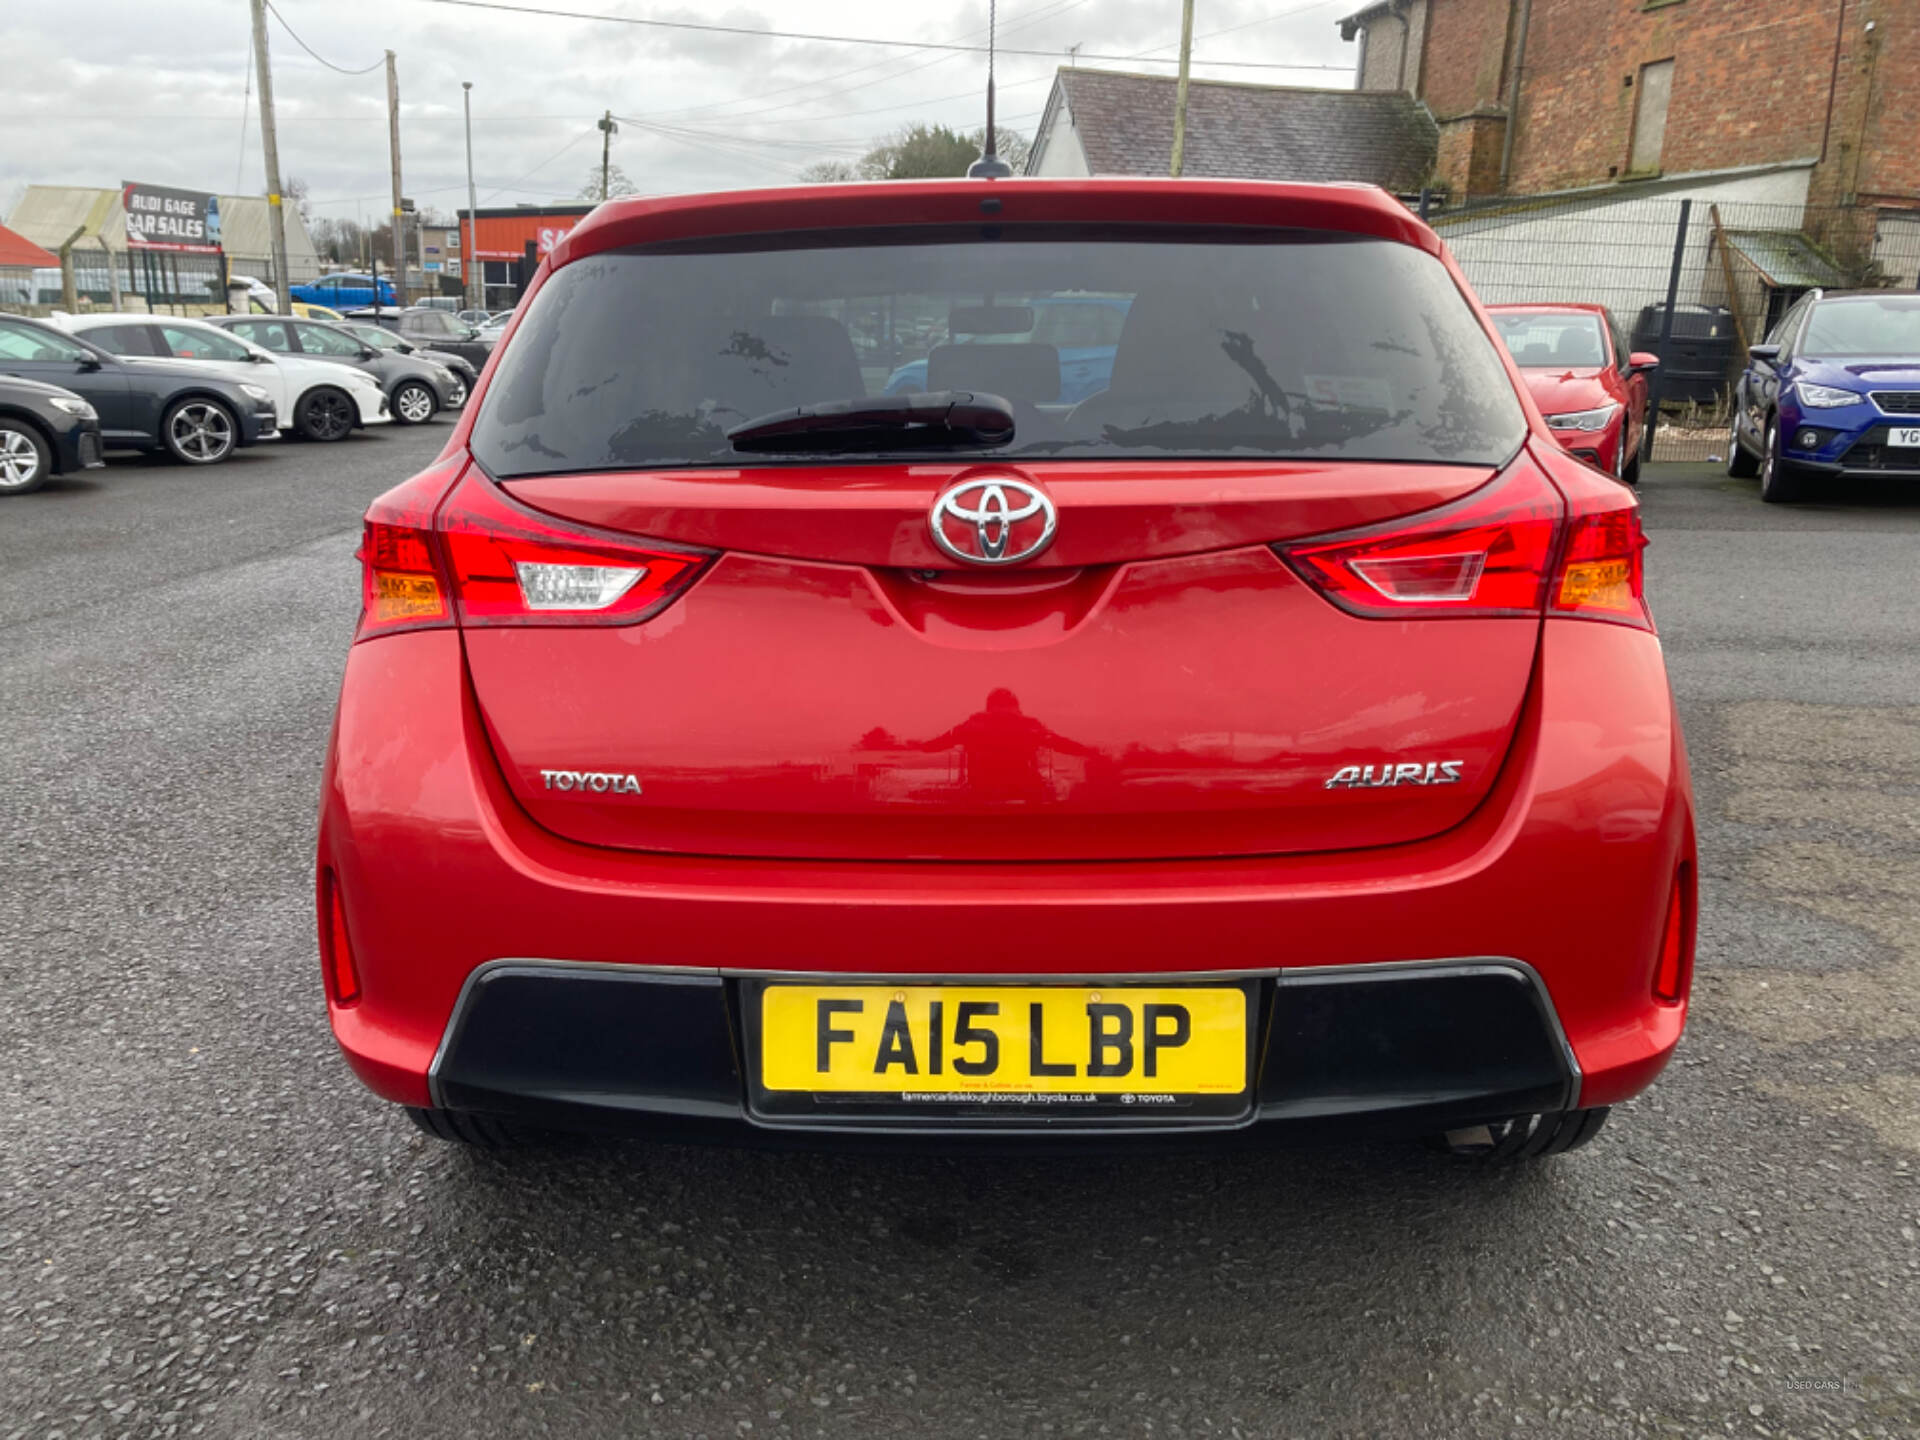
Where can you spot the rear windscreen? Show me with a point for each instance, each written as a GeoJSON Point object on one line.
{"type": "Point", "coordinates": [1290, 345]}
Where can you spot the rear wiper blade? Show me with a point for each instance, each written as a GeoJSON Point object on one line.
{"type": "Point", "coordinates": [938, 420]}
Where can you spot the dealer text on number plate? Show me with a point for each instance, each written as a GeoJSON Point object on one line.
{"type": "Point", "coordinates": [903, 1039]}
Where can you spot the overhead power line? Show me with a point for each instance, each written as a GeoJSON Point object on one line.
{"type": "Point", "coordinates": [363, 70]}
{"type": "Point", "coordinates": [954, 47]}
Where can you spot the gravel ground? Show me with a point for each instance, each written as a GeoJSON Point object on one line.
{"type": "Point", "coordinates": [206, 1227]}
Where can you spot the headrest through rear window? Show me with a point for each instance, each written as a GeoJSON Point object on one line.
{"type": "Point", "coordinates": [776, 362]}
{"type": "Point", "coordinates": [1013, 372]}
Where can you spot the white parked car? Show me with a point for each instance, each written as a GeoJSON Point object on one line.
{"type": "Point", "coordinates": [312, 398]}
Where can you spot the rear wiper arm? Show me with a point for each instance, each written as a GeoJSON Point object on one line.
{"type": "Point", "coordinates": [939, 420]}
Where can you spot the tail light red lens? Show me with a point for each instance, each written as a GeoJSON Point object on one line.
{"type": "Point", "coordinates": [511, 565]}
{"type": "Point", "coordinates": [336, 951]}
{"type": "Point", "coordinates": [1487, 554]}
{"type": "Point", "coordinates": [1513, 547]}
{"type": "Point", "coordinates": [491, 561]}
{"type": "Point", "coordinates": [1673, 971]}
{"type": "Point", "coordinates": [1601, 576]}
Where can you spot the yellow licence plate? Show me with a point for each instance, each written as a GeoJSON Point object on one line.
{"type": "Point", "coordinates": [1012, 1039]}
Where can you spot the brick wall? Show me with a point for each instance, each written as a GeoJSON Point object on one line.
{"type": "Point", "coordinates": [1393, 49]}
{"type": "Point", "coordinates": [1751, 83]}
{"type": "Point", "coordinates": [1464, 64]}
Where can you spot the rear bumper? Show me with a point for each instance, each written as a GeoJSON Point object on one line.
{"type": "Point", "coordinates": [1566, 869]}
{"type": "Point", "coordinates": [1413, 1049]}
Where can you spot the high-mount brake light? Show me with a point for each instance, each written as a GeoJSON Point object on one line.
{"type": "Point", "coordinates": [1486, 554]}
{"type": "Point", "coordinates": [512, 565]}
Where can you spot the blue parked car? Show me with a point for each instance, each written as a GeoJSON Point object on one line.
{"type": "Point", "coordinates": [343, 292]}
{"type": "Point", "coordinates": [1835, 390]}
{"type": "Point", "coordinates": [1084, 328]}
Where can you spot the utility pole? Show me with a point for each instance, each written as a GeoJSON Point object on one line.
{"type": "Point", "coordinates": [393, 141]}
{"type": "Point", "coordinates": [476, 294]}
{"type": "Point", "coordinates": [1180, 91]}
{"type": "Point", "coordinates": [607, 131]}
{"type": "Point", "coordinates": [270, 141]}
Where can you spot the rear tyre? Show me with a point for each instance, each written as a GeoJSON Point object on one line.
{"type": "Point", "coordinates": [1780, 481]}
{"type": "Point", "coordinates": [479, 1132]}
{"type": "Point", "coordinates": [325, 415]}
{"type": "Point", "coordinates": [199, 432]}
{"type": "Point", "coordinates": [25, 461]}
{"type": "Point", "coordinates": [1742, 464]}
{"type": "Point", "coordinates": [1525, 1137]}
{"type": "Point", "coordinates": [414, 403]}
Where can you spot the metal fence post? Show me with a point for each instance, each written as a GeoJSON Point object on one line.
{"type": "Point", "coordinates": [1426, 201]}
{"type": "Point", "coordinates": [1666, 329]}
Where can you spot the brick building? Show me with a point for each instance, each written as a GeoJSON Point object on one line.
{"type": "Point", "coordinates": [1536, 96]}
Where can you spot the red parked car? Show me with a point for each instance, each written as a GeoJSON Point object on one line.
{"type": "Point", "coordinates": [1274, 742]}
{"type": "Point", "coordinates": [1589, 386]}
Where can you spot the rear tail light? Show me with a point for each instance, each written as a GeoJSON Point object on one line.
{"type": "Point", "coordinates": [1673, 971]}
{"type": "Point", "coordinates": [511, 565]}
{"type": "Point", "coordinates": [336, 951]}
{"type": "Point", "coordinates": [491, 561]}
{"type": "Point", "coordinates": [1512, 547]}
{"type": "Point", "coordinates": [1601, 576]}
{"type": "Point", "coordinates": [1487, 554]}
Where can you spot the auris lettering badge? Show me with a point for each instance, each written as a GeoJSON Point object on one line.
{"type": "Point", "coordinates": [1411, 772]}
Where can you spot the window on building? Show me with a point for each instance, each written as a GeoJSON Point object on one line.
{"type": "Point", "coordinates": [1650, 117]}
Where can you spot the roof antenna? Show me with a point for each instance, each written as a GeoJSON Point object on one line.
{"type": "Point", "coordinates": [989, 166]}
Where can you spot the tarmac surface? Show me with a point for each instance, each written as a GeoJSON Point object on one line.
{"type": "Point", "coordinates": [207, 1227]}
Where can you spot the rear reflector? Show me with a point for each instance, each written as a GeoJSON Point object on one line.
{"type": "Point", "coordinates": [1673, 972]}
{"type": "Point", "coordinates": [1486, 554]}
{"type": "Point", "coordinates": [336, 951]}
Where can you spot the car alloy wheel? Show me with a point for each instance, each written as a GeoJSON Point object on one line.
{"type": "Point", "coordinates": [200, 432]}
{"type": "Point", "coordinates": [458, 397]}
{"type": "Point", "coordinates": [326, 415]}
{"type": "Point", "coordinates": [413, 403]}
{"type": "Point", "coordinates": [23, 461]}
{"type": "Point", "coordinates": [1741, 464]}
{"type": "Point", "coordinates": [1779, 482]}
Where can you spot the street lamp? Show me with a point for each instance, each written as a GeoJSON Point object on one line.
{"type": "Point", "coordinates": [476, 291]}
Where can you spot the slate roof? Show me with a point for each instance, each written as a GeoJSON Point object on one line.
{"type": "Point", "coordinates": [1251, 132]}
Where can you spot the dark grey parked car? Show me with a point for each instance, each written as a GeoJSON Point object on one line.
{"type": "Point", "coordinates": [199, 417]}
{"type": "Point", "coordinates": [382, 338]}
{"type": "Point", "coordinates": [44, 431]}
{"type": "Point", "coordinates": [416, 389]}
{"type": "Point", "coordinates": [432, 329]}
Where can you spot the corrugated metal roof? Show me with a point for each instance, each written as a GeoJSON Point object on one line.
{"type": "Point", "coordinates": [1251, 132]}
{"type": "Point", "coordinates": [1786, 259]}
{"type": "Point", "coordinates": [48, 214]}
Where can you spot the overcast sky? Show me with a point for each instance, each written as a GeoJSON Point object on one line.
{"type": "Point", "coordinates": [101, 91]}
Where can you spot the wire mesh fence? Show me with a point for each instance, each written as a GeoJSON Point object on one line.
{"type": "Point", "coordinates": [1693, 281]}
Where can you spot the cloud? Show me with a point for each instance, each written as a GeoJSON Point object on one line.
{"type": "Point", "coordinates": [712, 111]}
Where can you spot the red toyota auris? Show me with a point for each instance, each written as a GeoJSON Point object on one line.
{"type": "Point", "coordinates": [1274, 741]}
{"type": "Point", "coordinates": [1589, 386]}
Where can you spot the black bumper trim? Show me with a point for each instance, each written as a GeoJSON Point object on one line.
{"type": "Point", "coordinates": [1397, 1048]}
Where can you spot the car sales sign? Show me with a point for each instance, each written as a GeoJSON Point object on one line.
{"type": "Point", "coordinates": [162, 219]}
